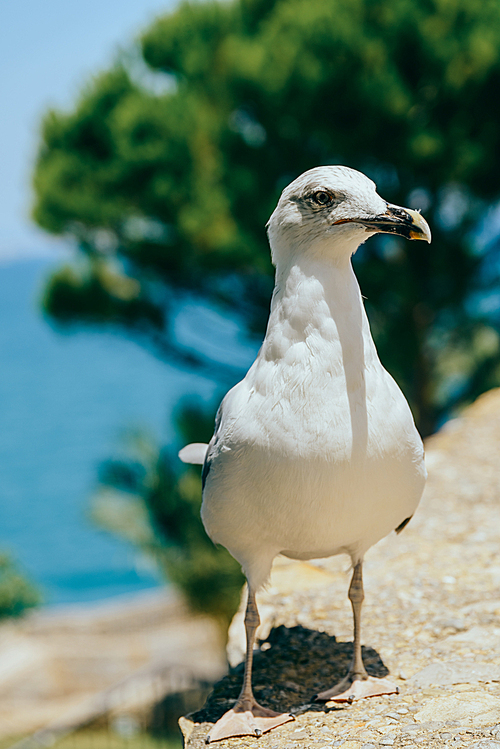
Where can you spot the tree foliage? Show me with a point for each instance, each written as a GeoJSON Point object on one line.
{"type": "Point", "coordinates": [17, 594]}
{"type": "Point", "coordinates": [142, 499]}
{"type": "Point", "coordinates": [169, 165]}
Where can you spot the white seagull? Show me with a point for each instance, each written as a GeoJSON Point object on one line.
{"type": "Point", "coordinates": [315, 451]}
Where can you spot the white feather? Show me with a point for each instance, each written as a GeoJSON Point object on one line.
{"type": "Point", "coordinates": [316, 452]}
{"type": "Point", "coordinates": [194, 453]}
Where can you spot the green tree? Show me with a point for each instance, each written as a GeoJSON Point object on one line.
{"type": "Point", "coordinates": [17, 594]}
{"type": "Point", "coordinates": [166, 180]}
{"type": "Point", "coordinates": [168, 166]}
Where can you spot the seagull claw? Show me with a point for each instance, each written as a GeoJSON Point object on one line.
{"type": "Point", "coordinates": [254, 722]}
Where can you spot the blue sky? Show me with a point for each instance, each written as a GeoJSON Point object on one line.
{"type": "Point", "coordinates": [48, 50]}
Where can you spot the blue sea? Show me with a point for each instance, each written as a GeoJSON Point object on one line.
{"type": "Point", "coordinates": [65, 402]}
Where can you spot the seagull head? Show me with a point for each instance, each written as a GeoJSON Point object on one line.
{"type": "Point", "coordinates": [329, 211]}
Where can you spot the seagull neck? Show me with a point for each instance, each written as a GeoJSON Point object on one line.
{"type": "Point", "coordinates": [320, 304]}
{"type": "Point", "coordinates": [308, 282]}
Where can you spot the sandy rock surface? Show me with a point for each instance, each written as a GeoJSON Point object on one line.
{"type": "Point", "coordinates": [431, 620]}
{"type": "Point", "coordinates": [57, 663]}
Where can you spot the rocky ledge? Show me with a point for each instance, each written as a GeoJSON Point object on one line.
{"type": "Point", "coordinates": [431, 619]}
{"type": "Point", "coordinates": [61, 667]}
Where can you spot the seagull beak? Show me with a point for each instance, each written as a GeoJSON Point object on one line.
{"type": "Point", "coordinates": [402, 221]}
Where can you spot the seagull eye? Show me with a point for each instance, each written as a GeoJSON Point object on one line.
{"type": "Point", "coordinates": [321, 197]}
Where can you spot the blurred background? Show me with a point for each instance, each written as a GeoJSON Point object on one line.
{"type": "Point", "coordinates": [143, 150]}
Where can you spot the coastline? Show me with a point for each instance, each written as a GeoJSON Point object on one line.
{"type": "Point", "coordinates": [64, 661]}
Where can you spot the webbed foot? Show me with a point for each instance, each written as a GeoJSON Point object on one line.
{"type": "Point", "coordinates": [355, 688]}
{"type": "Point", "coordinates": [246, 722]}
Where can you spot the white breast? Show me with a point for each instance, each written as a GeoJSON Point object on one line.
{"type": "Point", "coordinates": [316, 452]}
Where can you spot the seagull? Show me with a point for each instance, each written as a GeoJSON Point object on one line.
{"type": "Point", "coordinates": [315, 452]}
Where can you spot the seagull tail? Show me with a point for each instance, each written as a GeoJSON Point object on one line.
{"type": "Point", "coordinates": [194, 453]}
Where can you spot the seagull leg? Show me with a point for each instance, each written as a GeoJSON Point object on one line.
{"type": "Point", "coordinates": [357, 683]}
{"type": "Point", "coordinates": [247, 717]}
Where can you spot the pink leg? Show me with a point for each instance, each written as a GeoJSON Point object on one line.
{"type": "Point", "coordinates": [247, 717]}
{"type": "Point", "coordinates": [357, 683]}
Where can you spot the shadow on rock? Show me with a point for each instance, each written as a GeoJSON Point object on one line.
{"type": "Point", "coordinates": [292, 666]}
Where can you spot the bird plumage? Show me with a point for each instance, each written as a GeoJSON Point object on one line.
{"type": "Point", "coordinates": [315, 452]}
